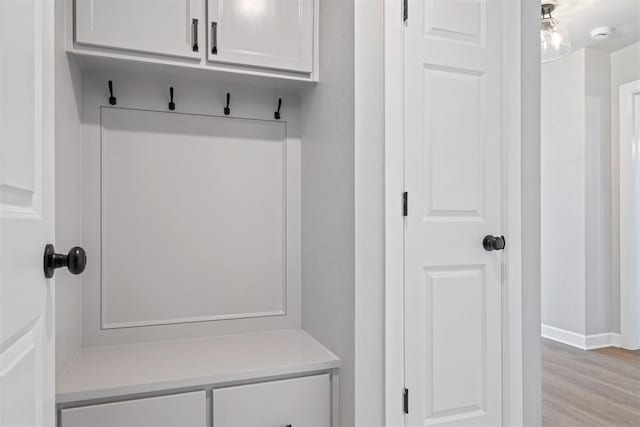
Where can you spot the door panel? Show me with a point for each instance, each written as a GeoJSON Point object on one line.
{"type": "Point", "coordinates": [461, 20]}
{"type": "Point", "coordinates": [26, 212]}
{"type": "Point", "coordinates": [453, 287]}
{"type": "Point", "coordinates": [264, 33]}
{"type": "Point", "coordinates": [454, 186]}
{"type": "Point", "coordinates": [164, 27]}
{"type": "Point", "coordinates": [20, 376]}
{"type": "Point", "coordinates": [454, 357]}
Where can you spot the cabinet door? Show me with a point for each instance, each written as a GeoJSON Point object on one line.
{"type": "Point", "coordinates": [165, 27]}
{"type": "Point", "coordinates": [263, 33]}
{"type": "Point", "coordinates": [299, 402]}
{"type": "Point", "coordinates": [177, 410]}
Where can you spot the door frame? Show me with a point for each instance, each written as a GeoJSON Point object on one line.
{"type": "Point", "coordinates": [629, 283]}
{"type": "Point", "coordinates": [515, 16]}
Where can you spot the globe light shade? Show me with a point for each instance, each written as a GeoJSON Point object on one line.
{"type": "Point", "coordinates": [554, 38]}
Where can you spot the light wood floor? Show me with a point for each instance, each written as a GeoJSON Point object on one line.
{"type": "Point", "coordinates": [589, 388]}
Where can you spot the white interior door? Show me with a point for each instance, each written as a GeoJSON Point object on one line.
{"type": "Point", "coordinates": [26, 213]}
{"type": "Point", "coordinates": [453, 285]}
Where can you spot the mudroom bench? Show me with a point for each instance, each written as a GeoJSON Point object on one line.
{"type": "Point", "coordinates": [271, 378]}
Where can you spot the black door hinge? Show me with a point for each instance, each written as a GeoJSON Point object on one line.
{"type": "Point", "coordinates": [405, 10]}
{"type": "Point", "coordinates": [405, 203]}
{"type": "Point", "coordinates": [405, 399]}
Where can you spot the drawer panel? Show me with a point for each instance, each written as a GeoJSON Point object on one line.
{"type": "Point", "coordinates": [299, 402]}
{"type": "Point", "coordinates": [177, 410]}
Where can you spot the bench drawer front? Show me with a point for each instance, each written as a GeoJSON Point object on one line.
{"type": "Point", "coordinates": [299, 402]}
{"type": "Point", "coordinates": [177, 410]}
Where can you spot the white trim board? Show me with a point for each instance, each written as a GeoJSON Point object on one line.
{"type": "Point", "coordinates": [628, 210]}
{"type": "Point", "coordinates": [394, 221]}
{"type": "Point", "coordinates": [583, 342]}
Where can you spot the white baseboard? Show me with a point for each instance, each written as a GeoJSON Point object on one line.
{"type": "Point", "coordinates": [584, 342]}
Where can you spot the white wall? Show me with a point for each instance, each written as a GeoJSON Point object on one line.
{"type": "Point", "coordinates": [563, 193]}
{"type": "Point", "coordinates": [576, 193]}
{"type": "Point", "coordinates": [625, 67]}
{"type": "Point", "coordinates": [328, 252]}
{"type": "Point", "coordinates": [68, 176]}
{"type": "Point", "coordinates": [597, 191]}
{"type": "Point", "coordinates": [580, 190]}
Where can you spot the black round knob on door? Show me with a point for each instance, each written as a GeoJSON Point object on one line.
{"type": "Point", "coordinates": [493, 243]}
{"type": "Point", "coordinates": [75, 260]}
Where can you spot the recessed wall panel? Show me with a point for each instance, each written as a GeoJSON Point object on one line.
{"type": "Point", "coordinates": [192, 218]}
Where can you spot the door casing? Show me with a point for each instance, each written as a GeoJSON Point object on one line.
{"type": "Point", "coordinates": [629, 287]}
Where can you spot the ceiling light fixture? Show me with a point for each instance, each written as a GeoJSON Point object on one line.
{"type": "Point", "coordinates": [554, 38]}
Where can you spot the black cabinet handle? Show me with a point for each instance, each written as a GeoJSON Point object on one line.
{"type": "Point", "coordinates": [493, 243]}
{"type": "Point", "coordinates": [194, 34]}
{"type": "Point", "coordinates": [214, 38]}
{"type": "Point", "coordinates": [75, 260]}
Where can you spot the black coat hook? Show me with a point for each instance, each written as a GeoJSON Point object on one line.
{"type": "Point", "coordinates": [112, 99]}
{"type": "Point", "coordinates": [277, 113]}
{"type": "Point", "coordinates": [172, 105]}
{"type": "Point", "coordinates": [227, 110]}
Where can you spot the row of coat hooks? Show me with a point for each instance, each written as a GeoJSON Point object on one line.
{"type": "Point", "coordinates": [172, 104]}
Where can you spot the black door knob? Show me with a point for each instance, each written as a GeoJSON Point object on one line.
{"type": "Point", "coordinates": [493, 243]}
{"type": "Point", "coordinates": [75, 260]}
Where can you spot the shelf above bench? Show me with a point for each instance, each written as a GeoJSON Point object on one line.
{"type": "Point", "coordinates": [110, 372]}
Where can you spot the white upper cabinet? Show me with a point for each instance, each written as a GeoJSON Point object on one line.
{"type": "Point", "coordinates": [163, 27]}
{"type": "Point", "coordinates": [274, 34]}
{"type": "Point", "coordinates": [273, 38]}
